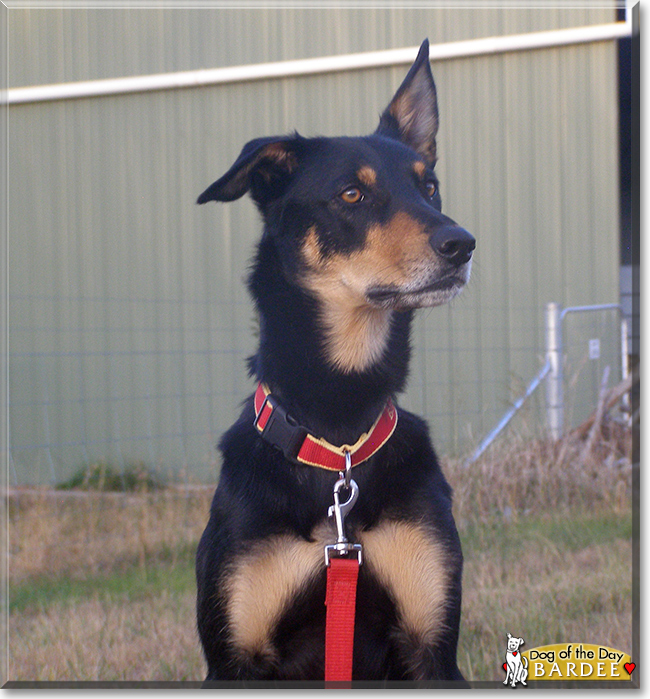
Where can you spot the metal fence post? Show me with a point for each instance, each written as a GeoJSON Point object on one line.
{"type": "Point", "coordinates": [555, 377]}
{"type": "Point", "coordinates": [625, 368]}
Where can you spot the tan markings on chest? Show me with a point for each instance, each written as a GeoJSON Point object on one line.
{"type": "Point", "coordinates": [397, 255]}
{"type": "Point", "coordinates": [355, 333]}
{"type": "Point", "coordinates": [408, 560]}
{"type": "Point", "coordinates": [262, 582]}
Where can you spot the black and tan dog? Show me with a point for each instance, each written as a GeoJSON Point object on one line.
{"type": "Point", "coordinates": [353, 242]}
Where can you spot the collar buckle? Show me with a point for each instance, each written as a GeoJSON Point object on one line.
{"type": "Point", "coordinates": [280, 429]}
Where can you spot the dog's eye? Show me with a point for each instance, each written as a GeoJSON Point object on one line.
{"type": "Point", "coordinates": [431, 188]}
{"type": "Point", "coordinates": [352, 195]}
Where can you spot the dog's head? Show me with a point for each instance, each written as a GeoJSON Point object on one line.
{"type": "Point", "coordinates": [361, 213]}
{"type": "Point", "coordinates": [514, 643]}
{"type": "Point", "coordinates": [357, 222]}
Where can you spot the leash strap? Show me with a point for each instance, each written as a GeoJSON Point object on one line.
{"type": "Point", "coordinates": [340, 598]}
{"type": "Point", "coordinates": [278, 428]}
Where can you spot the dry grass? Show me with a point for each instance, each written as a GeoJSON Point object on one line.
{"type": "Point", "coordinates": [546, 530]}
{"type": "Point", "coordinates": [546, 537]}
{"type": "Point", "coordinates": [547, 594]}
{"type": "Point", "coordinates": [111, 541]}
{"type": "Point", "coordinates": [84, 534]}
{"type": "Point", "coordinates": [527, 477]}
{"type": "Point", "coordinates": [109, 640]}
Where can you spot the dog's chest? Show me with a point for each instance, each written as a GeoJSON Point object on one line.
{"type": "Point", "coordinates": [407, 560]}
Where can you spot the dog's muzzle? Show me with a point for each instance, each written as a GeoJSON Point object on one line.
{"type": "Point", "coordinates": [453, 244]}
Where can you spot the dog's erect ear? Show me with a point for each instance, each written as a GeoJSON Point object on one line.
{"type": "Point", "coordinates": [263, 166]}
{"type": "Point", "coordinates": [412, 115]}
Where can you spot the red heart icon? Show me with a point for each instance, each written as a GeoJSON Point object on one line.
{"type": "Point", "coordinates": [629, 668]}
{"type": "Point", "coordinates": [514, 652]}
{"type": "Point", "coordinates": [505, 667]}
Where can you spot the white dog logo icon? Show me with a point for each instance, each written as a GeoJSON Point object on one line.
{"type": "Point", "coordinates": [515, 666]}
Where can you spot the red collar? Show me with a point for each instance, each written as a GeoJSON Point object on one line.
{"type": "Point", "coordinates": [278, 428]}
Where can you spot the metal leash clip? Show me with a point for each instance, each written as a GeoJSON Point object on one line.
{"type": "Point", "coordinates": [339, 510]}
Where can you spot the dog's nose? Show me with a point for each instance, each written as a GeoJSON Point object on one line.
{"type": "Point", "coordinates": [454, 244]}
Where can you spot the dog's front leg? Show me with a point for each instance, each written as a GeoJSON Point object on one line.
{"type": "Point", "coordinates": [431, 662]}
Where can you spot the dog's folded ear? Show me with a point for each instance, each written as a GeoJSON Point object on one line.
{"type": "Point", "coordinates": [412, 115]}
{"type": "Point", "coordinates": [263, 167]}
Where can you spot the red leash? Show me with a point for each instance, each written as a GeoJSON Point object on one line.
{"type": "Point", "coordinates": [295, 441]}
{"type": "Point", "coordinates": [341, 593]}
{"type": "Point", "coordinates": [340, 599]}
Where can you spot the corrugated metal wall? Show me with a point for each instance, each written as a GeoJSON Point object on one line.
{"type": "Point", "coordinates": [129, 321]}
{"type": "Point", "coordinates": [53, 45]}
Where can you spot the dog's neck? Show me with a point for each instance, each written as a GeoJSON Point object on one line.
{"type": "Point", "coordinates": [293, 359]}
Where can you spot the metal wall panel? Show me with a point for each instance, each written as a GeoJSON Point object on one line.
{"type": "Point", "coordinates": [527, 152]}
{"type": "Point", "coordinates": [129, 320]}
{"type": "Point", "coordinates": [62, 45]}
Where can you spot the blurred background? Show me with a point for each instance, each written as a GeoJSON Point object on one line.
{"type": "Point", "coordinates": [129, 321]}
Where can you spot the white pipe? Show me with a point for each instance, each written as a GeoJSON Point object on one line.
{"type": "Point", "coordinates": [555, 378]}
{"type": "Point", "coordinates": [311, 66]}
{"type": "Point", "coordinates": [599, 307]}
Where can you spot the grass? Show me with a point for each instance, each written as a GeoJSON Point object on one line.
{"type": "Point", "coordinates": [132, 584]}
{"type": "Point", "coordinates": [80, 535]}
{"type": "Point", "coordinates": [140, 638]}
{"type": "Point", "coordinates": [549, 580]}
{"type": "Point", "coordinates": [100, 476]}
{"type": "Point", "coordinates": [102, 584]}
{"type": "Point", "coordinates": [569, 533]}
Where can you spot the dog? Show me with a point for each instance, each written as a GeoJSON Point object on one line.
{"type": "Point", "coordinates": [353, 242]}
{"type": "Point", "coordinates": [516, 666]}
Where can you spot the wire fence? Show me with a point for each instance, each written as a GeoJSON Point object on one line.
{"type": "Point", "coordinates": [592, 342]}
{"type": "Point", "coordinates": [142, 382]}
{"type": "Point", "coordinates": [145, 384]}
{"type": "Point", "coordinates": [128, 320]}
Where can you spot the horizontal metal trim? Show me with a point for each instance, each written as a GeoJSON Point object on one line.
{"type": "Point", "coordinates": [313, 66]}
